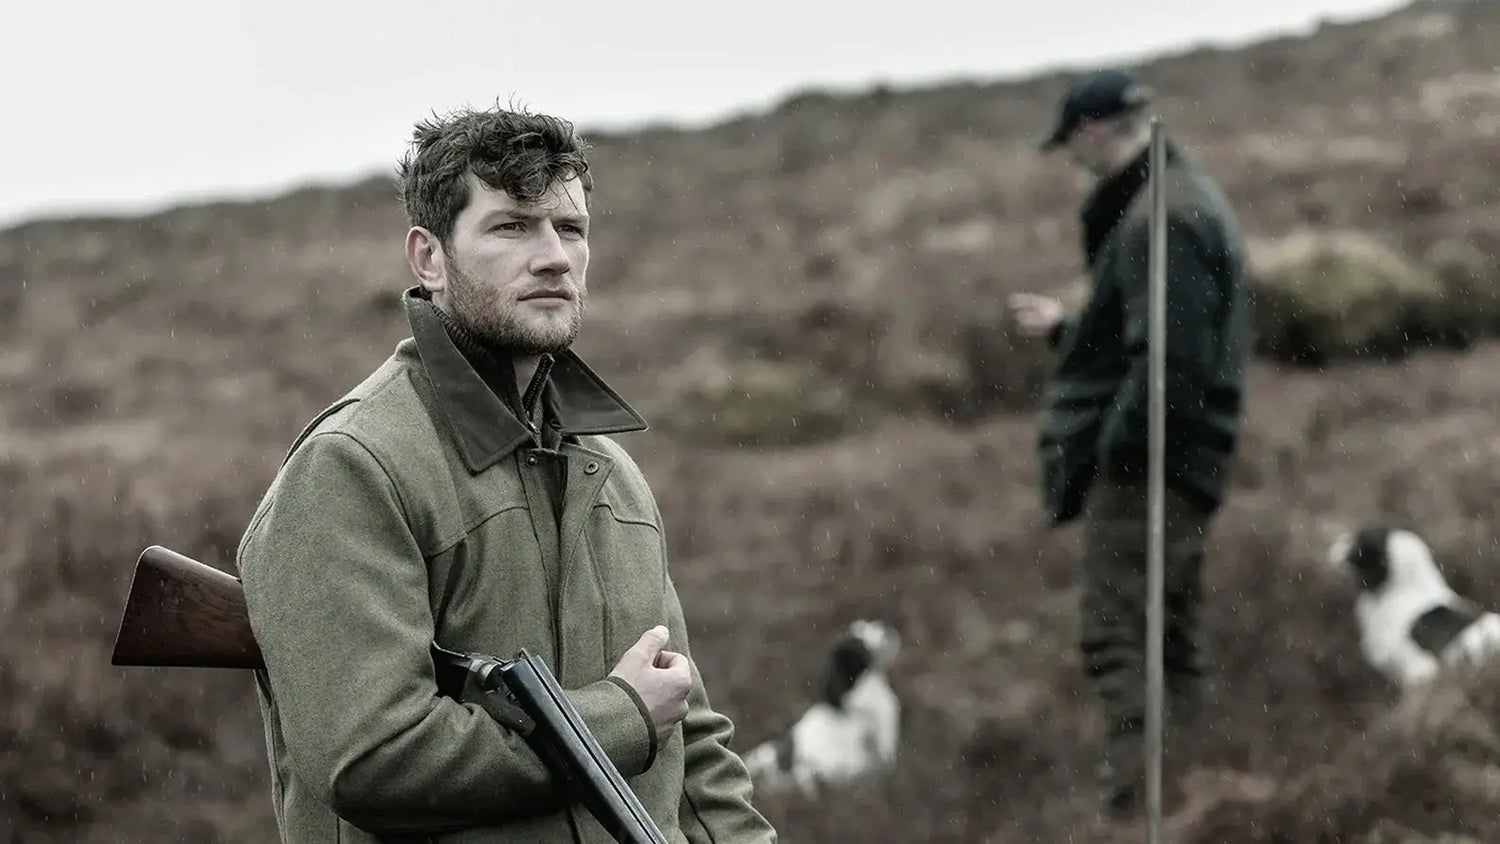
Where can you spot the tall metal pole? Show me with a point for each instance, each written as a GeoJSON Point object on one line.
{"type": "Point", "coordinates": [1156, 452]}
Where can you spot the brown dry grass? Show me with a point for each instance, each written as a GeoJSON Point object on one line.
{"type": "Point", "coordinates": [156, 368]}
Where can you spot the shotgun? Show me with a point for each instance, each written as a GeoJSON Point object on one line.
{"type": "Point", "coordinates": [187, 614]}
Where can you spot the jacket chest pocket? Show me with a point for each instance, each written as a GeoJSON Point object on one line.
{"type": "Point", "coordinates": [493, 590]}
{"type": "Point", "coordinates": [629, 562]}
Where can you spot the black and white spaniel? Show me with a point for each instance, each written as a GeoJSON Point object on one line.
{"type": "Point", "coordinates": [851, 731]}
{"type": "Point", "coordinates": [1412, 625]}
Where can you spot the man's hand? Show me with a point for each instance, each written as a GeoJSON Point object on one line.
{"type": "Point", "coordinates": [1035, 315]}
{"type": "Point", "coordinates": [661, 677]}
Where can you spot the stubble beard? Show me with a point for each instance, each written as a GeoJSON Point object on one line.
{"type": "Point", "coordinates": [499, 324]}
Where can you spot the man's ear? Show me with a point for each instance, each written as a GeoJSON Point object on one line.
{"type": "Point", "coordinates": [425, 257]}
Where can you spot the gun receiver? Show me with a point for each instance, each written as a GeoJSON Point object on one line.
{"type": "Point", "coordinates": [184, 613]}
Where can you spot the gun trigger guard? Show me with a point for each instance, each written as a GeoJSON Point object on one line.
{"type": "Point", "coordinates": [507, 713]}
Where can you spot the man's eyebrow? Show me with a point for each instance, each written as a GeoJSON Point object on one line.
{"type": "Point", "coordinates": [519, 214]}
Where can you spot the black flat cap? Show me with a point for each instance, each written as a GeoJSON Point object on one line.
{"type": "Point", "coordinates": [1094, 96]}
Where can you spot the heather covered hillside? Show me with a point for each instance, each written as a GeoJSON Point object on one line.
{"type": "Point", "coordinates": [806, 303]}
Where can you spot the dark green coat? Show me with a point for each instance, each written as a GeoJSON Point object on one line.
{"type": "Point", "coordinates": [417, 507]}
{"type": "Point", "coordinates": [1095, 409]}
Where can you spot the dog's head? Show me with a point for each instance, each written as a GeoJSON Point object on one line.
{"type": "Point", "coordinates": [866, 646]}
{"type": "Point", "coordinates": [1379, 553]}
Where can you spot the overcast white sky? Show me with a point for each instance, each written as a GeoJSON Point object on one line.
{"type": "Point", "coordinates": [130, 106]}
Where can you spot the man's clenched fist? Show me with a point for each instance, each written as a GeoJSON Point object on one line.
{"type": "Point", "coordinates": [661, 677]}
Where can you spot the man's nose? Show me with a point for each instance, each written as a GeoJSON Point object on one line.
{"type": "Point", "coordinates": [549, 257]}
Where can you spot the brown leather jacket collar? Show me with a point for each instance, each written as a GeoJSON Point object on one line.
{"type": "Point", "coordinates": [484, 427]}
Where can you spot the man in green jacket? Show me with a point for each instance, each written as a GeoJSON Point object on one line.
{"type": "Point", "coordinates": [469, 491]}
{"type": "Point", "coordinates": [1094, 433]}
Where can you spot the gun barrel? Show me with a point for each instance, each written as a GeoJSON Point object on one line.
{"type": "Point", "coordinates": [575, 756]}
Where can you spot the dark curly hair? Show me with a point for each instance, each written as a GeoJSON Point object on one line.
{"type": "Point", "coordinates": [512, 149]}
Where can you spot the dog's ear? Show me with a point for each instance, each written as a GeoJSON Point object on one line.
{"type": "Point", "coordinates": [850, 659]}
{"type": "Point", "coordinates": [1369, 556]}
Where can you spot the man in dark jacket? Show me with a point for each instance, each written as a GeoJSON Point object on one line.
{"type": "Point", "coordinates": [1093, 441]}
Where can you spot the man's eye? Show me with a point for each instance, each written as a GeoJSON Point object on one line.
{"type": "Point", "coordinates": [512, 226]}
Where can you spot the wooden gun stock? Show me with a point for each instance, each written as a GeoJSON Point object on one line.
{"type": "Point", "coordinates": [184, 613]}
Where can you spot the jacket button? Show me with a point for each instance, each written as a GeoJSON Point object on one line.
{"type": "Point", "coordinates": [531, 460]}
{"type": "Point", "coordinates": [590, 467]}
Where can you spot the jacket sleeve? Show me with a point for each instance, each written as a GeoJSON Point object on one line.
{"type": "Point", "coordinates": [337, 593]}
{"type": "Point", "coordinates": [1194, 304]}
{"type": "Point", "coordinates": [716, 791]}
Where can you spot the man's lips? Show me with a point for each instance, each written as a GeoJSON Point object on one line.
{"type": "Point", "coordinates": [548, 294]}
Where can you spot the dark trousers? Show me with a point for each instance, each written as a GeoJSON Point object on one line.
{"type": "Point", "coordinates": [1113, 608]}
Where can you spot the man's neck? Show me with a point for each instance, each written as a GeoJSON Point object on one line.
{"type": "Point", "coordinates": [1127, 152]}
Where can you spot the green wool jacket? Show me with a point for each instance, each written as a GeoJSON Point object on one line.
{"type": "Point", "coordinates": [1095, 408]}
{"type": "Point", "coordinates": [419, 507]}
